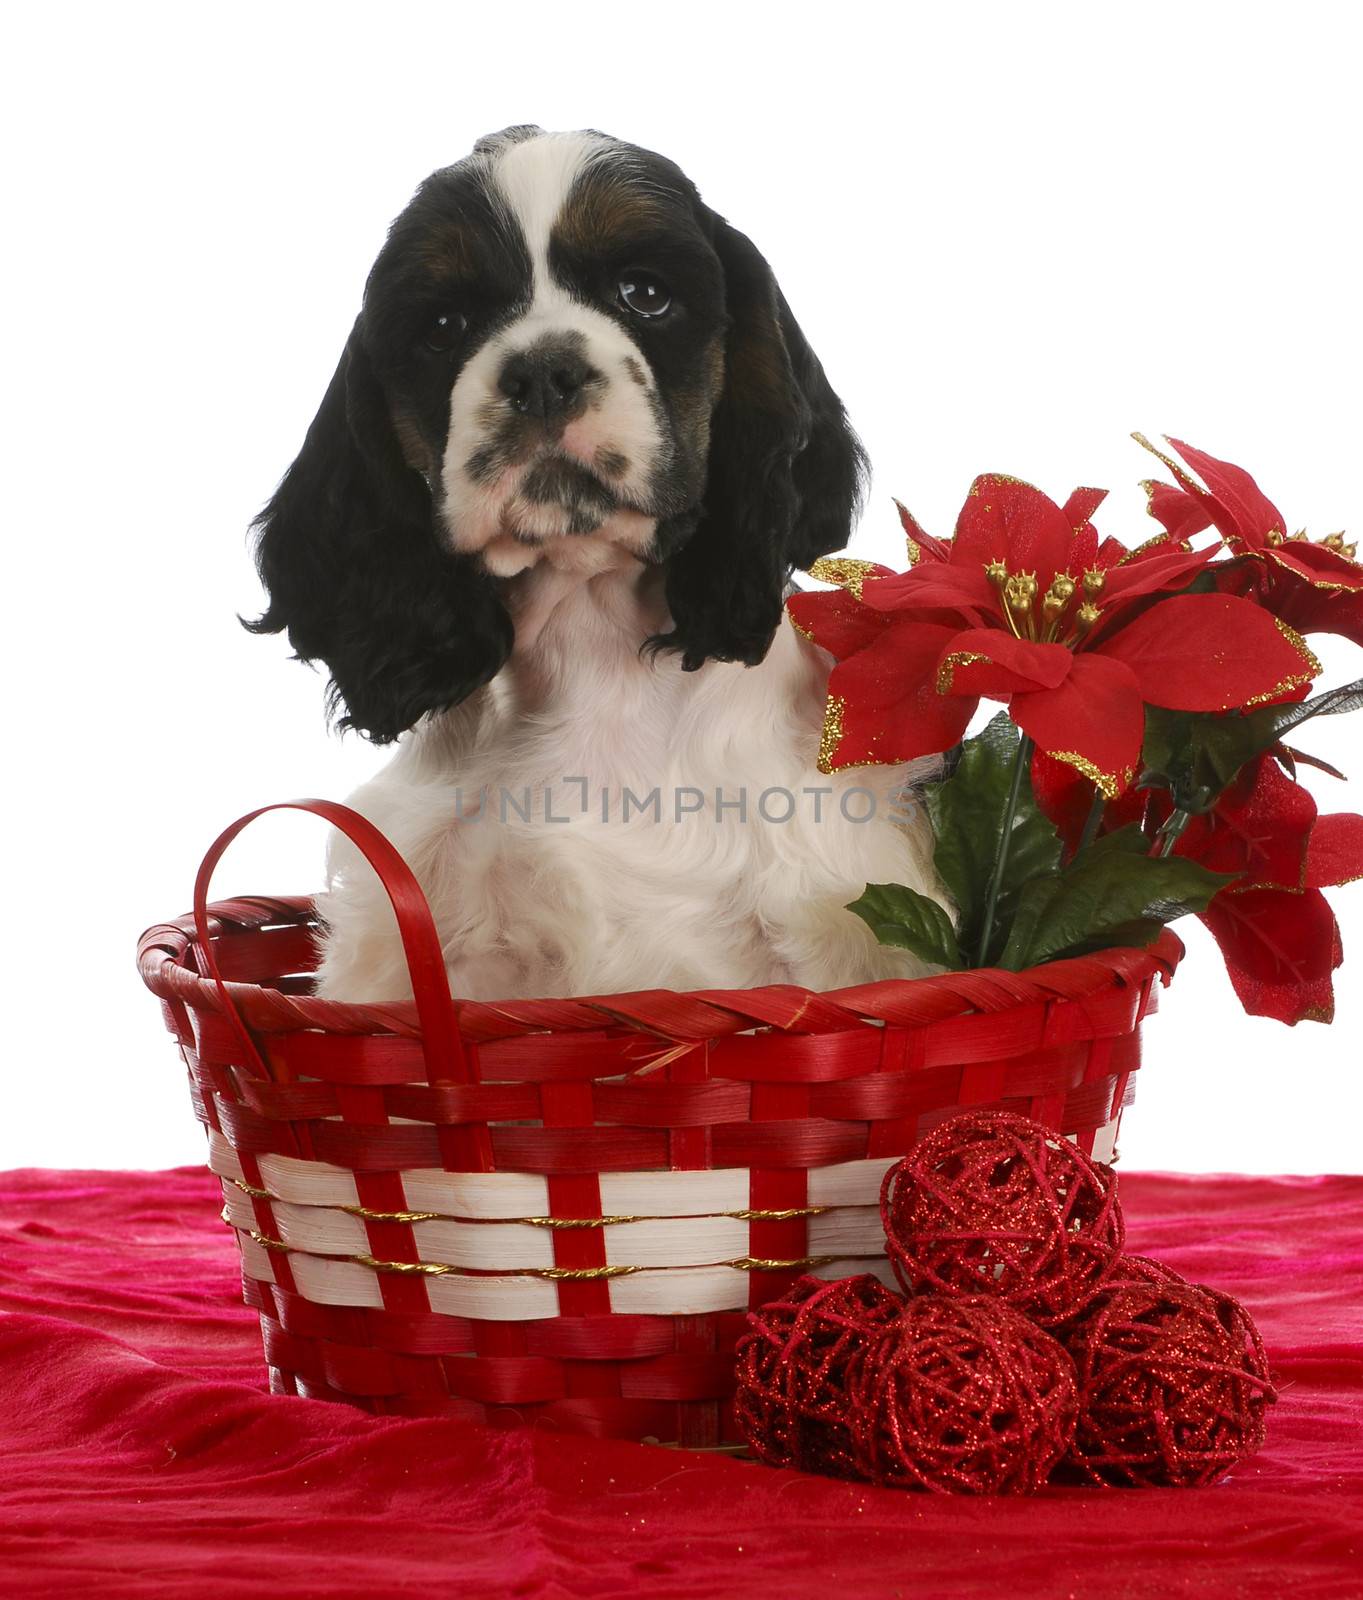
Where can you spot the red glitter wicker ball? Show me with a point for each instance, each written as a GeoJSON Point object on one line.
{"type": "Point", "coordinates": [992, 1203]}
{"type": "Point", "coordinates": [1142, 1269]}
{"type": "Point", "coordinates": [791, 1400]}
{"type": "Point", "coordinates": [963, 1396]}
{"type": "Point", "coordinates": [1173, 1385]}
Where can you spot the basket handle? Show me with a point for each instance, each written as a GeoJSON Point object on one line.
{"type": "Point", "coordinates": [443, 1048]}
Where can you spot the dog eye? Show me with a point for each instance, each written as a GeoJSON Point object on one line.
{"type": "Point", "coordinates": [644, 294]}
{"type": "Point", "coordinates": [445, 331]}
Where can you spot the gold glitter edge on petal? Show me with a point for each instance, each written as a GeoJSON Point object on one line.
{"type": "Point", "coordinates": [1297, 679]}
{"type": "Point", "coordinates": [1314, 583]}
{"type": "Point", "coordinates": [1110, 784]}
{"type": "Point", "coordinates": [946, 671]}
{"type": "Point", "coordinates": [831, 736]}
{"type": "Point", "coordinates": [847, 572]}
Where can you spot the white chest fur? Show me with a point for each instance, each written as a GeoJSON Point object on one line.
{"type": "Point", "coordinates": [597, 822]}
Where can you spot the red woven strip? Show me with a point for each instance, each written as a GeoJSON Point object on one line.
{"type": "Point", "coordinates": [260, 955]}
{"type": "Point", "coordinates": [168, 971]}
{"type": "Point", "coordinates": [667, 1103]}
{"type": "Point", "coordinates": [982, 1083]}
{"type": "Point", "coordinates": [265, 1223]}
{"type": "Point", "coordinates": [443, 1104]}
{"type": "Point", "coordinates": [777, 1111]}
{"type": "Point", "coordinates": [797, 1057]}
{"type": "Point", "coordinates": [506, 1380]}
{"type": "Point", "coordinates": [569, 1105]}
{"type": "Point", "coordinates": [901, 1064]}
{"type": "Point", "coordinates": [615, 1337]}
{"type": "Point", "coordinates": [688, 1375]}
{"type": "Point", "coordinates": [688, 1141]}
{"type": "Point", "coordinates": [420, 941]}
{"type": "Point", "coordinates": [810, 1142]}
{"type": "Point", "coordinates": [709, 1338]}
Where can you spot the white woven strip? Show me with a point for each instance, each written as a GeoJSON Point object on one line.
{"type": "Point", "coordinates": [493, 1196]}
{"type": "Point", "coordinates": [506, 1196]}
{"type": "Point", "coordinates": [685, 1291]}
{"type": "Point", "coordinates": [493, 1246]}
{"type": "Point", "coordinates": [1105, 1140]}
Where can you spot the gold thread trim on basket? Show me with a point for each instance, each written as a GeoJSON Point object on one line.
{"type": "Point", "coordinates": [256, 1194]}
{"type": "Point", "coordinates": [776, 1216]}
{"type": "Point", "coordinates": [442, 1269]}
{"type": "Point", "coordinates": [391, 1216]}
{"type": "Point", "coordinates": [758, 1264]}
{"type": "Point", "coordinates": [571, 1222]}
{"type": "Point", "coordinates": [612, 1221]}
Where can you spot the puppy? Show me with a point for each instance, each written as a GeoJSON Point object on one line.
{"type": "Point", "coordinates": [543, 524]}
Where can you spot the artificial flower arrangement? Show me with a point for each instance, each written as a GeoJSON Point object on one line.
{"type": "Point", "coordinates": [1143, 768]}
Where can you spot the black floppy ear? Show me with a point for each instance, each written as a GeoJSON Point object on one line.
{"type": "Point", "coordinates": [348, 552]}
{"type": "Point", "coordinates": [784, 479]}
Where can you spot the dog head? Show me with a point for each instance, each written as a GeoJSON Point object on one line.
{"type": "Point", "coordinates": [565, 357]}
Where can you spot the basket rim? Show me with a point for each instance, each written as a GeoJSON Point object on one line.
{"type": "Point", "coordinates": [165, 964]}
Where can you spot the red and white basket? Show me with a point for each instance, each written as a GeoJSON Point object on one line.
{"type": "Point", "coordinates": [557, 1211]}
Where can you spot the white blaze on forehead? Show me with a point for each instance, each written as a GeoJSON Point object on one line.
{"type": "Point", "coordinates": [532, 180]}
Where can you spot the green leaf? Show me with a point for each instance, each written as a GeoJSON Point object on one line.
{"type": "Point", "coordinates": [910, 921]}
{"type": "Point", "coordinates": [1196, 755]}
{"type": "Point", "coordinates": [967, 813]}
{"type": "Point", "coordinates": [1130, 840]}
{"type": "Point", "coordinates": [1111, 897]}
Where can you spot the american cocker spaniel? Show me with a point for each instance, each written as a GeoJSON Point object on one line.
{"type": "Point", "coordinates": [542, 527]}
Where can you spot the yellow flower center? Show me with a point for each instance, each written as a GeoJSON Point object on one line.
{"type": "Point", "coordinates": [1050, 618]}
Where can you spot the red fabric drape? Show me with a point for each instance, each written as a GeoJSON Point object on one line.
{"type": "Point", "coordinates": [140, 1455]}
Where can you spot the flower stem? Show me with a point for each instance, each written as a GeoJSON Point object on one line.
{"type": "Point", "coordinates": [1092, 822]}
{"type": "Point", "coordinates": [1169, 833]}
{"type": "Point", "coordinates": [1021, 762]}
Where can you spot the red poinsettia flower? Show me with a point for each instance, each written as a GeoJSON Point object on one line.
{"type": "Point", "coordinates": [1275, 929]}
{"type": "Point", "coordinates": [1316, 586]}
{"type": "Point", "coordinates": [1025, 604]}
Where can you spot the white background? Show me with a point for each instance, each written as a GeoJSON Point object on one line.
{"type": "Point", "coordinates": [1012, 233]}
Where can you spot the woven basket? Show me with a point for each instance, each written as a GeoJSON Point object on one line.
{"type": "Point", "coordinates": [558, 1210]}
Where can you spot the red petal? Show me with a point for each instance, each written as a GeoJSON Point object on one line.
{"type": "Point", "coordinates": [1081, 505]}
{"type": "Point", "coordinates": [1279, 949]}
{"type": "Point", "coordinates": [1318, 564]}
{"type": "Point", "coordinates": [1182, 514]}
{"type": "Point", "coordinates": [1079, 508]}
{"type": "Point", "coordinates": [836, 621]}
{"type": "Point", "coordinates": [1004, 519]}
{"type": "Point", "coordinates": [1110, 553]}
{"type": "Point", "coordinates": [1312, 610]}
{"type": "Point", "coordinates": [1252, 513]}
{"type": "Point", "coordinates": [936, 586]}
{"type": "Point", "coordinates": [1258, 829]}
{"type": "Point", "coordinates": [1210, 652]}
{"type": "Point", "coordinates": [1065, 795]}
{"type": "Point", "coordinates": [883, 704]}
{"type": "Point", "coordinates": [1093, 721]}
{"type": "Point", "coordinates": [1153, 574]}
{"type": "Point", "coordinates": [988, 661]}
{"type": "Point", "coordinates": [1335, 853]}
{"type": "Point", "coordinates": [920, 540]}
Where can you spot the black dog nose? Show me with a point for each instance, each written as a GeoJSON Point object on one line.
{"type": "Point", "coordinates": [546, 382]}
